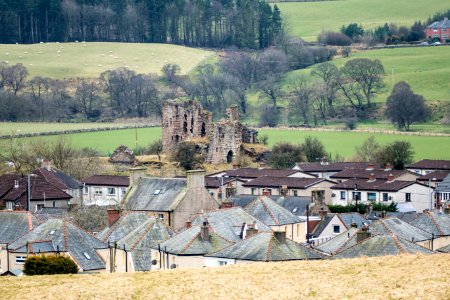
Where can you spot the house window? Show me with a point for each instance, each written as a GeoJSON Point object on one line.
{"type": "Point", "coordinates": [20, 260]}
{"type": "Point", "coordinates": [385, 197]}
{"type": "Point", "coordinates": [161, 217]}
{"type": "Point", "coordinates": [54, 203]}
{"type": "Point", "coordinates": [356, 195]}
{"type": "Point", "coordinates": [86, 190]}
{"type": "Point", "coordinates": [39, 206]}
{"type": "Point", "coordinates": [222, 263]}
{"type": "Point", "coordinates": [295, 193]}
{"type": "Point", "coordinates": [343, 195]}
{"type": "Point", "coordinates": [269, 191]}
{"type": "Point", "coordinates": [98, 191]}
{"type": "Point", "coordinates": [9, 205]}
{"type": "Point", "coordinates": [336, 229]}
{"type": "Point", "coordinates": [372, 196]}
{"type": "Point", "coordinates": [408, 197]}
{"type": "Point", "coordinates": [111, 191]}
{"type": "Point", "coordinates": [124, 191]}
{"type": "Point", "coordinates": [253, 191]}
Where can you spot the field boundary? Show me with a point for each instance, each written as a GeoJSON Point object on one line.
{"type": "Point", "coordinates": [71, 131]}
{"type": "Point", "coordinates": [393, 132]}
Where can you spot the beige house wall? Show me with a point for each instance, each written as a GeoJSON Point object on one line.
{"type": "Point", "coordinates": [181, 261]}
{"type": "Point", "coordinates": [295, 232]}
{"type": "Point", "coordinates": [329, 229]}
{"type": "Point", "coordinates": [3, 259]}
{"type": "Point", "coordinates": [121, 259]}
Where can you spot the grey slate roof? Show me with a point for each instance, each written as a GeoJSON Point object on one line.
{"type": "Point", "coordinates": [14, 224]}
{"type": "Point", "coordinates": [400, 229]}
{"type": "Point", "coordinates": [440, 24]}
{"type": "Point", "coordinates": [128, 222]}
{"type": "Point", "coordinates": [339, 242]}
{"type": "Point", "coordinates": [268, 211]}
{"type": "Point", "coordinates": [433, 222]}
{"type": "Point", "coordinates": [294, 204]}
{"type": "Point", "coordinates": [190, 242]}
{"type": "Point", "coordinates": [444, 186]}
{"type": "Point", "coordinates": [265, 247]}
{"type": "Point", "coordinates": [445, 249]}
{"type": "Point", "coordinates": [156, 194]}
{"type": "Point", "coordinates": [229, 222]}
{"type": "Point", "coordinates": [59, 234]}
{"type": "Point", "coordinates": [352, 217]}
{"type": "Point", "coordinates": [381, 245]}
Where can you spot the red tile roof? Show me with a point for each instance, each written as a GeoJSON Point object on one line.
{"type": "Point", "coordinates": [108, 180]}
{"type": "Point", "coordinates": [431, 164]}
{"type": "Point", "coordinates": [290, 182]}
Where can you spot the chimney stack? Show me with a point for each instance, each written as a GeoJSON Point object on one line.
{"type": "Point", "coordinates": [46, 164]}
{"type": "Point", "coordinates": [195, 179]}
{"type": "Point", "coordinates": [371, 177]}
{"type": "Point", "coordinates": [323, 213]}
{"type": "Point", "coordinates": [266, 192]}
{"type": "Point", "coordinates": [370, 167]}
{"type": "Point", "coordinates": [227, 204]}
{"type": "Point", "coordinates": [390, 178]}
{"type": "Point", "coordinates": [250, 230]}
{"type": "Point", "coordinates": [284, 190]}
{"type": "Point", "coordinates": [363, 234]}
{"type": "Point", "coordinates": [113, 216]}
{"type": "Point", "coordinates": [136, 173]}
{"type": "Point", "coordinates": [188, 224]}
{"type": "Point", "coordinates": [204, 232]}
{"type": "Point", "coordinates": [388, 167]}
{"type": "Point", "coordinates": [280, 236]}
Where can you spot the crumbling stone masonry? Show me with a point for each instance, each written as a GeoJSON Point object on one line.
{"type": "Point", "coordinates": [188, 121]}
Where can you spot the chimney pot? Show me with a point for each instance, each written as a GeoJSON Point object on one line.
{"type": "Point", "coordinates": [370, 167]}
{"type": "Point", "coordinates": [113, 216]}
{"type": "Point", "coordinates": [390, 178]}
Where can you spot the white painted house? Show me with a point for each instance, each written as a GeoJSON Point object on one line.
{"type": "Point", "coordinates": [105, 190]}
{"type": "Point", "coordinates": [420, 196]}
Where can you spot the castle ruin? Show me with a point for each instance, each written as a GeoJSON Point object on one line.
{"type": "Point", "coordinates": [189, 122]}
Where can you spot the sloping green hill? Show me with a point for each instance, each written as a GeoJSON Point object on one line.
{"type": "Point", "coordinates": [88, 60]}
{"type": "Point", "coordinates": [308, 19]}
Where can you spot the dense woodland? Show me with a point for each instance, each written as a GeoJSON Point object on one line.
{"type": "Point", "coordinates": [200, 23]}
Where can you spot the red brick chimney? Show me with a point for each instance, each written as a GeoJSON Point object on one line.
{"type": "Point", "coordinates": [390, 178]}
{"type": "Point", "coordinates": [113, 216]}
{"type": "Point", "coordinates": [388, 167]}
{"type": "Point", "coordinates": [46, 164]}
{"type": "Point", "coordinates": [188, 224]}
{"type": "Point", "coordinates": [371, 177]}
{"type": "Point", "coordinates": [370, 167]}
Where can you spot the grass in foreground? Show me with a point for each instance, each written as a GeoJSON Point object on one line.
{"type": "Point", "coordinates": [394, 277]}
{"type": "Point", "coordinates": [72, 60]}
{"type": "Point", "coordinates": [308, 19]}
{"type": "Point", "coordinates": [425, 69]}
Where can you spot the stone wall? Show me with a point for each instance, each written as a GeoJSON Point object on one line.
{"type": "Point", "coordinates": [183, 121]}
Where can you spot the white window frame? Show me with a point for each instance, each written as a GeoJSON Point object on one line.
{"type": "Point", "coordinates": [20, 260]}
{"type": "Point", "coordinates": [111, 189]}
{"type": "Point", "coordinates": [9, 205]}
{"type": "Point", "coordinates": [85, 190]}
{"type": "Point", "coordinates": [343, 195]}
{"type": "Point", "coordinates": [98, 191]}
{"type": "Point", "coordinates": [336, 226]}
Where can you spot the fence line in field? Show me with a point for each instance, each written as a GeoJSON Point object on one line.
{"type": "Point", "coordinates": [412, 133]}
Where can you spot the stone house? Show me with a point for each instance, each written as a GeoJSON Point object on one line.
{"type": "Point", "coordinates": [105, 190]}
{"type": "Point", "coordinates": [122, 155]}
{"type": "Point", "coordinates": [189, 122]}
{"type": "Point", "coordinates": [172, 200]}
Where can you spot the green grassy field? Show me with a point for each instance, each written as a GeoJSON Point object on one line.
{"type": "Point", "coordinates": [71, 60]}
{"type": "Point", "coordinates": [343, 143]}
{"type": "Point", "coordinates": [308, 19]}
{"type": "Point", "coordinates": [9, 128]}
{"type": "Point", "coordinates": [426, 70]}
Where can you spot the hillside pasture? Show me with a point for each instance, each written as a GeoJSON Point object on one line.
{"type": "Point", "coordinates": [426, 69]}
{"type": "Point", "coordinates": [336, 142]}
{"type": "Point", "coordinates": [89, 60]}
{"type": "Point", "coordinates": [17, 128]}
{"type": "Point", "coordinates": [389, 277]}
{"type": "Point", "coordinates": [308, 19]}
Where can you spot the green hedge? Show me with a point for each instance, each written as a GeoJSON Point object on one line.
{"type": "Point", "coordinates": [49, 265]}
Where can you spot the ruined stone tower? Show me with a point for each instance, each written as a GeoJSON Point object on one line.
{"type": "Point", "coordinates": [189, 122]}
{"type": "Point", "coordinates": [183, 121]}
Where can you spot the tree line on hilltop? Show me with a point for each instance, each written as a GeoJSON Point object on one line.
{"type": "Point", "coordinates": [205, 23]}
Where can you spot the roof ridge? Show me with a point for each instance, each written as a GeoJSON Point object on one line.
{"type": "Point", "coordinates": [347, 241]}
{"type": "Point", "coordinates": [435, 223]}
{"type": "Point", "coordinates": [269, 248]}
{"type": "Point", "coordinates": [398, 244]}
{"type": "Point", "coordinates": [269, 211]}
{"type": "Point", "coordinates": [358, 243]}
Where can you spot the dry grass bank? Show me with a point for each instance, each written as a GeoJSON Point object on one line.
{"type": "Point", "coordinates": [404, 277]}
